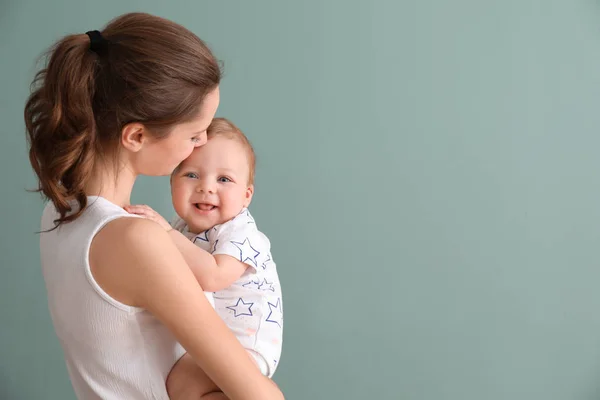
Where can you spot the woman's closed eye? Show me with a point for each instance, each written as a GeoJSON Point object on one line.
{"type": "Point", "coordinates": [199, 139]}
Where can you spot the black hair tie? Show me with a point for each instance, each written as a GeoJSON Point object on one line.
{"type": "Point", "coordinates": [97, 42]}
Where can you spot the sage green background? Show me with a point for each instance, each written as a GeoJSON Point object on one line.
{"type": "Point", "coordinates": [428, 176]}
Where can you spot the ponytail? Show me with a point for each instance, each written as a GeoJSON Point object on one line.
{"type": "Point", "coordinates": [60, 125]}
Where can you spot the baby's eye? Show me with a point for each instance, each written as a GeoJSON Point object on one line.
{"type": "Point", "coordinates": [191, 175]}
{"type": "Point", "coordinates": [224, 179]}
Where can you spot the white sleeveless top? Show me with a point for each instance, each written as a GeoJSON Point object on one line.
{"type": "Point", "coordinates": [112, 351]}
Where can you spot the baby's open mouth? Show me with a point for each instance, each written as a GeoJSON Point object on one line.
{"type": "Point", "coordinates": [204, 206]}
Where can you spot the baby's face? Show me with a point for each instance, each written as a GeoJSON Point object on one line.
{"type": "Point", "coordinates": [211, 186]}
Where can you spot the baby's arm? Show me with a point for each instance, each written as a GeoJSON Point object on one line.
{"type": "Point", "coordinates": [214, 273]}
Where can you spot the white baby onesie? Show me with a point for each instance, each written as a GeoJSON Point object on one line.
{"type": "Point", "coordinates": [252, 306]}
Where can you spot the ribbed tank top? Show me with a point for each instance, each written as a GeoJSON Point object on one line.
{"type": "Point", "coordinates": [113, 351]}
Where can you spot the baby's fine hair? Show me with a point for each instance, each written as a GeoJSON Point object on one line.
{"type": "Point", "coordinates": [225, 128]}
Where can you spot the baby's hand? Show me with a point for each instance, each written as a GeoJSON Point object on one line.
{"type": "Point", "coordinates": [147, 212]}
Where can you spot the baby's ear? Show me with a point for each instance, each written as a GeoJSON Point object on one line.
{"type": "Point", "coordinates": [249, 193]}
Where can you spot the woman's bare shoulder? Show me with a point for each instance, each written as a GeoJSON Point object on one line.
{"type": "Point", "coordinates": [127, 251]}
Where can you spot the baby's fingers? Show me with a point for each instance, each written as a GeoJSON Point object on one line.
{"type": "Point", "coordinates": [140, 210]}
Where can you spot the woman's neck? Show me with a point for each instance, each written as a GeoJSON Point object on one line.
{"type": "Point", "coordinates": [114, 186]}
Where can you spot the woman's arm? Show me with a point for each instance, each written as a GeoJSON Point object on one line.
{"type": "Point", "coordinates": [135, 261]}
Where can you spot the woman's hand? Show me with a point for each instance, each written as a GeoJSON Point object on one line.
{"type": "Point", "coordinates": [147, 212]}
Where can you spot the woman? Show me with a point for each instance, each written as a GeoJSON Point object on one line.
{"type": "Point", "coordinates": [134, 99]}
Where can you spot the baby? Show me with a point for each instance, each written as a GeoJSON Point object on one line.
{"type": "Point", "coordinates": [211, 191]}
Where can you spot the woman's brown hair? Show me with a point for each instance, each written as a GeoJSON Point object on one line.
{"type": "Point", "coordinates": [147, 69]}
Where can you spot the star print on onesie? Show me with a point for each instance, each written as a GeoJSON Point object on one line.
{"type": "Point", "coordinates": [252, 306]}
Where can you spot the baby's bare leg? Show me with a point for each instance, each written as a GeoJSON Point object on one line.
{"type": "Point", "coordinates": [187, 381]}
{"type": "Point", "coordinates": [214, 396]}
